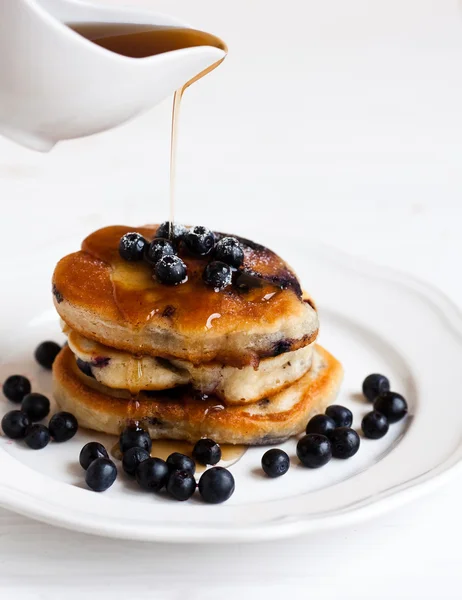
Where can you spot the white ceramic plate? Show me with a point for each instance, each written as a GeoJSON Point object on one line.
{"type": "Point", "coordinates": [372, 319]}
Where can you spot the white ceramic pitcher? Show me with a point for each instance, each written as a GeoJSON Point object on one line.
{"type": "Point", "coordinates": [56, 85]}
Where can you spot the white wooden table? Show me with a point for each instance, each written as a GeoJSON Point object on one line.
{"type": "Point", "coordinates": [340, 121]}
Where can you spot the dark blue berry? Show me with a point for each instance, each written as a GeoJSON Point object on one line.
{"type": "Point", "coordinates": [85, 367]}
{"type": "Point", "coordinates": [132, 247]}
{"type": "Point", "coordinates": [15, 424]}
{"type": "Point", "coordinates": [16, 387]}
{"type": "Point", "coordinates": [345, 442]}
{"type": "Point", "coordinates": [101, 474]}
{"type": "Point", "coordinates": [91, 452]}
{"type": "Point", "coordinates": [134, 437]}
{"type": "Point", "coordinates": [216, 485]}
{"type": "Point", "coordinates": [229, 251]}
{"type": "Point", "coordinates": [374, 385]}
{"type": "Point", "coordinates": [181, 485]}
{"type": "Point", "coordinates": [342, 416]}
{"type": "Point", "coordinates": [181, 462]}
{"type": "Point", "coordinates": [132, 458]}
{"type": "Point", "coordinates": [206, 452]}
{"type": "Point", "coordinates": [37, 436]}
{"type": "Point", "coordinates": [374, 425]}
{"type": "Point", "coordinates": [158, 248]}
{"type": "Point", "coordinates": [314, 450]}
{"type": "Point", "coordinates": [392, 405]}
{"type": "Point", "coordinates": [175, 234]}
{"type": "Point", "coordinates": [321, 424]}
{"type": "Point", "coordinates": [171, 270]}
{"type": "Point", "coordinates": [36, 406]}
{"type": "Point", "coordinates": [152, 474]}
{"type": "Point", "coordinates": [46, 353]}
{"type": "Point", "coordinates": [275, 462]}
{"type": "Point", "coordinates": [63, 426]}
{"type": "Point", "coordinates": [218, 275]}
{"type": "Point", "coordinates": [200, 240]}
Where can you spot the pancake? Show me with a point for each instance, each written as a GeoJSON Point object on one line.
{"type": "Point", "coordinates": [119, 304]}
{"type": "Point", "coordinates": [121, 370]}
{"type": "Point", "coordinates": [181, 415]}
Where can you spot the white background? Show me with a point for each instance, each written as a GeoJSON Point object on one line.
{"type": "Point", "coordinates": [339, 120]}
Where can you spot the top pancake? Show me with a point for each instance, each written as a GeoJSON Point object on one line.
{"type": "Point", "coordinates": [119, 304]}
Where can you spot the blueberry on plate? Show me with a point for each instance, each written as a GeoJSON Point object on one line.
{"type": "Point", "coordinates": [374, 425]}
{"type": "Point", "coordinates": [374, 385]}
{"type": "Point", "coordinates": [314, 450]}
{"type": "Point", "coordinates": [152, 474]}
{"type": "Point", "coordinates": [342, 416]}
{"type": "Point", "coordinates": [101, 474]}
{"type": "Point", "coordinates": [181, 485]}
{"type": "Point", "coordinates": [216, 485]}
{"type": "Point", "coordinates": [37, 436]}
{"type": "Point", "coordinates": [275, 462]}
{"type": "Point", "coordinates": [15, 424]}
{"type": "Point", "coordinates": [392, 405]}
{"type": "Point", "coordinates": [91, 452]}
{"type": "Point", "coordinates": [36, 406]}
{"type": "Point", "coordinates": [157, 249]}
{"type": "Point", "coordinates": [132, 247]}
{"type": "Point", "coordinates": [345, 442]}
{"type": "Point", "coordinates": [229, 251]}
{"type": "Point", "coordinates": [171, 270]}
{"type": "Point", "coordinates": [218, 275]}
{"type": "Point", "coordinates": [180, 462]}
{"type": "Point", "coordinates": [63, 426]}
{"type": "Point", "coordinates": [321, 424]}
{"type": "Point", "coordinates": [133, 458]}
{"type": "Point", "coordinates": [200, 240]}
{"type": "Point", "coordinates": [134, 437]}
{"type": "Point", "coordinates": [207, 452]}
{"type": "Point", "coordinates": [16, 387]}
{"type": "Point", "coordinates": [175, 234]}
{"type": "Point", "coordinates": [46, 353]}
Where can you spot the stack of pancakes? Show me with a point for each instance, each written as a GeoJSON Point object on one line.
{"type": "Point", "coordinates": [240, 366]}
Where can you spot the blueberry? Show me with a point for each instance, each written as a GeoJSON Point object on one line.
{"type": "Point", "coordinates": [63, 426]}
{"type": "Point", "coordinates": [345, 442]}
{"type": "Point", "coordinates": [15, 424]}
{"type": "Point", "coordinates": [181, 462]}
{"type": "Point", "coordinates": [200, 240]}
{"type": "Point", "coordinates": [275, 462]}
{"type": "Point", "coordinates": [132, 247]}
{"type": "Point", "coordinates": [171, 270]}
{"type": "Point", "coordinates": [46, 353]}
{"type": "Point", "coordinates": [218, 275]}
{"type": "Point", "coordinates": [134, 437]}
{"type": "Point", "coordinates": [91, 452]}
{"type": "Point", "coordinates": [16, 387]}
{"type": "Point", "coordinates": [181, 485]}
{"type": "Point", "coordinates": [374, 425]}
{"type": "Point", "coordinates": [392, 405]}
{"type": "Point", "coordinates": [342, 416]}
{"type": "Point", "coordinates": [101, 474]}
{"type": "Point", "coordinates": [158, 248]}
{"type": "Point", "coordinates": [206, 452]}
{"type": "Point", "coordinates": [178, 232]}
{"type": "Point", "coordinates": [37, 436]}
{"type": "Point", "coordinates": [374, 385]}
{"type": "Point", "coordinates": [229, 251]}
{"type": "Point", "coordinates": [36, 406]}
{"type": "Point", "coordinates": [321, 424]}
{"type": "Point", "coordinates": [216, 485]}
{"type": "Point", "coordinates": [132, 458]}
{"type": "Point", "coordinates": [314, 450]}
{"type": "Point", "coordinates": [152, 474]}
{"type": "Point", "coordinates": [85, 367]}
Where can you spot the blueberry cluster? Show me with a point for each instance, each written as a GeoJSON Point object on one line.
{"type": "Point", "coordinates": [162, 254]}
{"type": "Point", "coordinates": [176, 474]}
{"type": "Point", "coordinates": [23, 424]}
{"type": "Point", "coordinates": [330, 435]}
